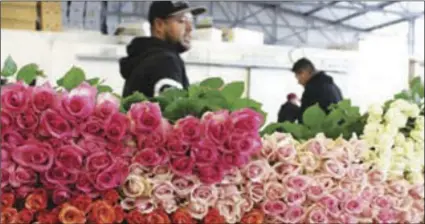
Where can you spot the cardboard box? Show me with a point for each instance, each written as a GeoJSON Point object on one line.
{"type": "Point", "coordinates": [50, 16]}
{"type": "Point", "coordinates": [18, 12]}
{"type": "Point", "coordinates": [18, 24]}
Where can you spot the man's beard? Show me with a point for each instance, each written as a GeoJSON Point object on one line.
{"type": "Point", "coordinates": [176, 44]}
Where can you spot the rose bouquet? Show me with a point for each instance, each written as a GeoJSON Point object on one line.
{"type": "Point", "coordinates": [396, 137]}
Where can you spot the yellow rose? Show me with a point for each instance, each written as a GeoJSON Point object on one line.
{"type": "Point", "coordinates": [136, 186]}
{"type": "Point", "coordinates": [417, 135]}
{"type": "Point", "coordinates": [419, 123]}
{"type": "Point", "coordinates": [399, 139]}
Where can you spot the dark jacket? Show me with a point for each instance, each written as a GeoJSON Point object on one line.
{"type": "Point", "coordinates": [288, 112]}
{"type": "Point", "coordinates": [151, 66]}
{"type": "Point", "coordinates": [320, 89]}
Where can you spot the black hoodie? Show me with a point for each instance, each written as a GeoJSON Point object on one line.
{"type": "Point", "coordinates": [151, 66]}
{"type": "Point", "coordinates": [320, 89]}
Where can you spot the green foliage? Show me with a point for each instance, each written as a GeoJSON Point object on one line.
{"type": "Point", "coordinates": [342, 120]}
{"type": "Point", "coordinates": [28, 73]}
{"type": "Point", "coordinates": [9, 67]}
{"type": "Point", "coordinates": [74, 77]}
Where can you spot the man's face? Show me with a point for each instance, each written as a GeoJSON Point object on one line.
{"type": "Point", "coordinates": [302, 76]}
{"type": "Point", "coordinates": [177, 29]}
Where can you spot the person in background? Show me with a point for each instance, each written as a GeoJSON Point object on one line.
{"type": "Point", "coordinates": [290, 110]}
{"type": "Point", "coordinates": [154, 63]}
{"type": "Point", "coordinates": [318, 87]}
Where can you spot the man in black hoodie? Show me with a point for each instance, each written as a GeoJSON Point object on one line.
{"type": "Point", "coordinates": [154, 63]}
{"type": "Point", "coordinates": [318, 87]}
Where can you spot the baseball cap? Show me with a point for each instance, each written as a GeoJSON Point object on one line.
{"type": "Point", "coordinates": [164, 9]}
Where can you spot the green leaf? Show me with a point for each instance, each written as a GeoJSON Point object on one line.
{"type": "Point", "coordinates": [104, 88]}
{"type": "Point", "coordinates": [313, 117]}
{"type": "Point", "coordinates": [246, 103]}
{"type": "Point", "coordinates": [272, 128]}
{"type": "Point", "coordinates": [174, 93]}
{"type": "Point", "coordinates": [182, 108]}
{"type": "Point", "coordinates": [74, 77]}
{"type": "Point", "coordinates": [93, 81]}
{"type": "Point", "coordinates": [27, 73]}
{"type": "Point", "coordinates": [233, 91]}
{"type": "Point", "coordinates": [133, 98]}
{"type": "Point", "coordinates": [194, 91]}
{"type": "Point", "coordinates": [214, 100]}
{"type": "Point", "coordinates": [9, 67]}
{"type": "Point", "coordinates": [213, 83]}
{"type": "Point", "coordinates": [332, 119]}
{"type": "Point", "coordinates": [297, 130]}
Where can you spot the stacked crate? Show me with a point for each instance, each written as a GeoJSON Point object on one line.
{"type": "Point", "coordinates": [50, 16]}
{"type": "Point", "coordinates": [19, 15]}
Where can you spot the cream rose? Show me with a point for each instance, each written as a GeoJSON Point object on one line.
{"type": "Point", "coordinates": [136, 186]}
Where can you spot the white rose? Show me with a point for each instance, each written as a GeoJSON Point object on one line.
{"type": "Point", "coordinates": [419, 123]}
{"type": "Point", "coordinates": [385, 141]}
{"type": "Point", "coordinates": [395, 118]}
{"type": "Point", "coordinates": [400, 104]}
{"type": "Point", "coordinates": [375, 110]}
{"type": "Point", "coordinates": [399, 139]}
{"type": "Point", "coordinates": [373, 128]}
{"type": "Point", "coordinates": [136, 186]}
{"type": "Point", "coordinates": [417, 135]}
{"type": "Point", "coordinates": [412, 111]}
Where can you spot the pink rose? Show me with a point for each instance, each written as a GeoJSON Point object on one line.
{"type": "Point", "coordinates": [353, 206]}
{"type": "Point", "coordinates": [286, 152]}
{"type": "Point", "coordinates": [398, 188]}
{"type": "Point", "coordinates": [27, 121]}
{"type": "Point", "coordinates": [128, 203]}
{"type": "Point", "coordinates": [183, 185]}
{"type": "Point", "coordinates": [151, 140]}
{"type": "Point", "coordinates": [145, 205]}
{"type": "Point", "coordinates": [228, 191]}
{"type": "Point", "coordinates": [197, 209]}
{"type": "Point", "coordinates": [293, 197]}
{"type": "Point", "coordinates": [268, 150]}
{"type": "Point", "coordinates": [79, 103]}
{"type": "Point", "coordinates": [229, 160]}
{"type": "Point", "coordinates": [356, 173]}
{"type": "Point", "coordinates": [299, 183]}
{"type": "Point", "coordinates": [145, 117]}
{"type": "Point", "coordinates": [175, 146]}
{"type": "Point", "coordinates": [316, 147]}
{"type": "Point", "coordinates": [382, 202]}
{"type": "Point", "coordinates": [23, 191]}
{"type": "Point", "coordinates": [255, 191]}
{"type": "Point", "coordinates": [317, 215]}
{"type": "Point", "coordinates": [162, 172]}
{"type": "Point", "coordinates": [218, 126]}
{"type": "Point", "coordinates": [204, 154]}
{"type": "Point", "coordinates": [334, 168]}
{"type": "Point", "coordinates": [6, 119]}
{"type": "Point", "coordinates": [315, 192]}
{"type": "Point", "coordinates": [6, 173]}
{"type": "Point", "coordinates": [182, 165]}
{"type": "Point", "coordinates": [294, 214]}
{"type": "Point", "coordinates": [43, 98]}
{"type": "Point", "coordinates": [346, 218]}
{"type": "Point", "coordinates": [245, 144]}
{"type": "Point", "coordinates": [341, 194]}
{"type": "Point", "coordinates": [106, 105]}
{"type": "Point", "coordinates": [368, 193]}
{"type": "Point", "coordinates": [417, 191]}
{"type": "Point", "coordinates": [92, 126]}
{"type": "Point", "coordinates": [91, 144]}
{"type": "Point", "coordinates": [190, 129]}
{"type": "Point", "coordinates": [164, 191]}
{"type": "Point", "coordinates": [274, 191]}
{"type": "Point", "coordinates": [22, 176]}
{"type": "Point", "coordinates": [246, 203]}
{"type": "Point", "coordinates": [6, 157]}
{"type": "Point", "coordinates": [112, 177]}
{"type": "Point", "coordinates": [210, 174]}
{"type": "Point", "coordinates": [11, 137]}
{"type": "Point", "coordinates": [85, 185]}
{"type": "Point", "coordinates": [329, 202]}
{"type": "Point", "coordinates": [169, 206]}
{"type": "Point", "coordinates": [61, 195]}
{"type": "Point", "coordinates": [98, 161]}
{"type": "Point", "coordinates": [229, 209]}
{"type": "Point", "coordinates": [232, 176]}
{"type": "Point", "coordinates": [326, 182]}
{"type": "Point", "coordinates": [70, 158]}
{"type": "Point", "coordinates": [151, 157]}
{"type": "Point", "coordinates": [116, 127]}
{"type": "Point", "coordinates": [246, 120]}
{"type": "Point", "coordinates": [386, 215]}
{"type": "Point", "coordinates": [205, 194]}
{"type": "Point", "coordinates": [15, 97]}
{"type": "Point", "coordinates": [38, 157]}
{"type": "Point", "coordinates": [274, 208]}
{"type": "Point", "coordinates": [60, 176]}
{"type": "Point", "coordinates": [376, 177]}
{"type": "Point", "coordinates": [284, 169]}
{"type": "Point", "coordinates": [257, 170]}
{"type": "Point", "coordinates": [53, 124]}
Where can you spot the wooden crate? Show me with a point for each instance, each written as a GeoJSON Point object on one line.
{"type": "Point", "coordinates": [18, 24]}
{"type": "Point", "coordinates": [19, 3]}
{"type": "Point", "coordinates": [50, 16]}
{"type": "Point", "coordinates": [17, 11]}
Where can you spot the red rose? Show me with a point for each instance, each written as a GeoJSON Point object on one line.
{"type": "Point", "coordinates": [135, 217]}
{"type": "Point", "coordinates": [25, 216]}
{"type": "Point", "coordinates": [111, 196]}
{"type": "Point", "coordinates": [102, 212]}
{"type": "Point", "coordinates": [8, 215]}
{"type": "Point", "coordinates": [157, 216]}
{"type": "Point", "coordinates": [255, 216]}
{"type": "Point", "coordinates": [37, 200]}
{"type": "Point", "coordinates": [119, 214]}
{"type": "Point", "coordinates": [182, 165]}
{"type": "Point", "coordinates": [182, 216]}
{"type": "Point", "coordinates": [47, 217]}
{"type": "Point", "coordinates": [82, 202]}
{"type": "Point", "coordinates": [7, 200]}
{"type": "Point", "coordinates": [213, 217]}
